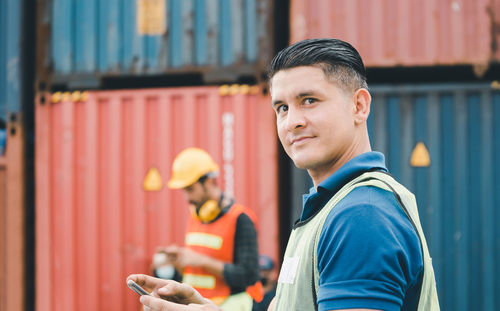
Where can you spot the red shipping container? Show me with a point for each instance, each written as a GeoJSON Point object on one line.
{"type": "Point", "coordinates": [12, 220]}
{"type": "Point", "coordinates": [95, 222]}
{"type": "Point", "coordinates": [407, 33]}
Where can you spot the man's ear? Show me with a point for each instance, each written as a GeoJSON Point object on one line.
{"type": "Point", "coordinates": [362, 100]}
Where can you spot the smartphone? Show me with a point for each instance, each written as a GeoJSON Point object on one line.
{"type": "Point", "coordinates": [136, 288]}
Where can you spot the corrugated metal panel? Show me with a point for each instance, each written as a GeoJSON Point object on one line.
{"type": "Point", "coordinates": [496, 26]}
{"type": "Point", "coordinates": [3, 236]}
{"type": "Point", "coordinates": [408, 33]}
{"type": "Point", "coordinates": [12, 225]}
{"type": "Point", "coordinates": [459, 192]}
{"type": "Point", "coordinates": [210, 37]}
{"type": "Point", "coordinates": [96, 224]}
{"type": "Point", "coordinates": [11, 162]}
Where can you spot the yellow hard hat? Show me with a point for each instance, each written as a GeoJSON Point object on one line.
{"type": "Point", "coordinates": [189, 166]}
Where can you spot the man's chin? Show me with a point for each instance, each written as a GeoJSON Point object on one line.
{"type": "Point", "coordinates": [301, 163]}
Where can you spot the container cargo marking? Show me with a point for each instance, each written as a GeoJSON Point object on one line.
{"type": "Point", "coordinates": [228, 151]}
{"type": "Point", "coordinates": [420, 156]}
{"type": "Point", "coordinates": [152, 181]}
{"type": "Point", "coordinates": [151, 17]}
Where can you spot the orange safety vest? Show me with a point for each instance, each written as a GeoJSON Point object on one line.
{"type": "Point", "coordinates": [216, 240]}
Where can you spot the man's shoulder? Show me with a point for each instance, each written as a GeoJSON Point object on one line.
{"type": "Point", "coordinates": [367, 196]}
{"type": "Point", "coordinates": [245, 212]}
{"type": "Point", "coordinates": [366, 208]}
{"type": "Point", "coordinates": [367, 234]}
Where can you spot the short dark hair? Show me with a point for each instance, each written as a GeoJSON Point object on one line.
{"type": "Point", "coordinates": [339, 60]}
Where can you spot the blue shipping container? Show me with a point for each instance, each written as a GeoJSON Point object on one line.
{"type": "Point", "coordinates": [10, 27]}
{"type": "Point", "coordinates": [458, 194]}
{"type": "Point", "coordinates": [104, 38]}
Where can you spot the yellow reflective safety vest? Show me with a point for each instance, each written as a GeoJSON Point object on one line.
{"type": "Point", "coordinates": [216, 240]}
{"type": "Point", "coordinates": [298, 282]}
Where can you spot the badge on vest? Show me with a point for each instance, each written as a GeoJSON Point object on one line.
{"type": "Point", "coordinates": [288, 270]}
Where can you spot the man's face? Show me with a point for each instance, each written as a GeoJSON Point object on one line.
{"type": "Point", "coordinates": [196, 194]}
{"type": "Point", "coordinates": [314, 117]}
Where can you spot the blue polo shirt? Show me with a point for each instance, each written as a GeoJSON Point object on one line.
{"type": "Point", "coordinates": [369, 254]}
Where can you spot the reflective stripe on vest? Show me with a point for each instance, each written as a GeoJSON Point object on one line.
{"type": "Point", "coordinates": [199, 281]}
{"type": "Point", "coordinates": [204, 239]}
{"type": "Point", "coordinates": [298, 280]}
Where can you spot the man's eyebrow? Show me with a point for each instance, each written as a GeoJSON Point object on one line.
{"type": "Point", "coordinates": [299, 96]}
{"type": "Point", "coordinates": [305, 94]}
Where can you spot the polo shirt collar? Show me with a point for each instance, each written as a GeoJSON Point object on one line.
{"type": "Point", "coordinates": [358, 165]}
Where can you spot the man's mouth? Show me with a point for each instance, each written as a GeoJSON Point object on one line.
{"type": "Point", "coordinates": [300, 140]}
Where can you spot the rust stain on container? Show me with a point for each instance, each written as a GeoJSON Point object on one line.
{"type": "Point", "coordinates": [408, 33]}
{"type": "Point", "coordinates": [96, 224]}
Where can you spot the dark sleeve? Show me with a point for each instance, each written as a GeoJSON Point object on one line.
{"type": "Point", "coordinates": [244, 271]}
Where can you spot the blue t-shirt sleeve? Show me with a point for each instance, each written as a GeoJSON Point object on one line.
{"type": "Point", "coordinates": [368, 253]}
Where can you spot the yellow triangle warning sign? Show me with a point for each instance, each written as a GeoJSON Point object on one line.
{"type": "Point", "coordinates": [152, 181]}
{"type": "Point", "coordinates": [420, 156]}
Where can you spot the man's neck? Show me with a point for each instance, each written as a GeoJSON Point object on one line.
{"type": "Point", "coordinates": [321, 173]}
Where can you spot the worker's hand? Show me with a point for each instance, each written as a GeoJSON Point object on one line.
{"type": "Point", "coordinates": [170, 295]}
{"type": "Point", "coordinates": [160, 259]}
{"type": "Point", "coordinates": [181, 257]}
{"type": "Point", "coordinates": [158, 304]}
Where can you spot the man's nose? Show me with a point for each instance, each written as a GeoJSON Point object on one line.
{"type": "Point", "coordinates": [295, 119]}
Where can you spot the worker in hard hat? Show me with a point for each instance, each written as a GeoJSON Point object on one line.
{"type": "Point", "coordinates": [220, 256]}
